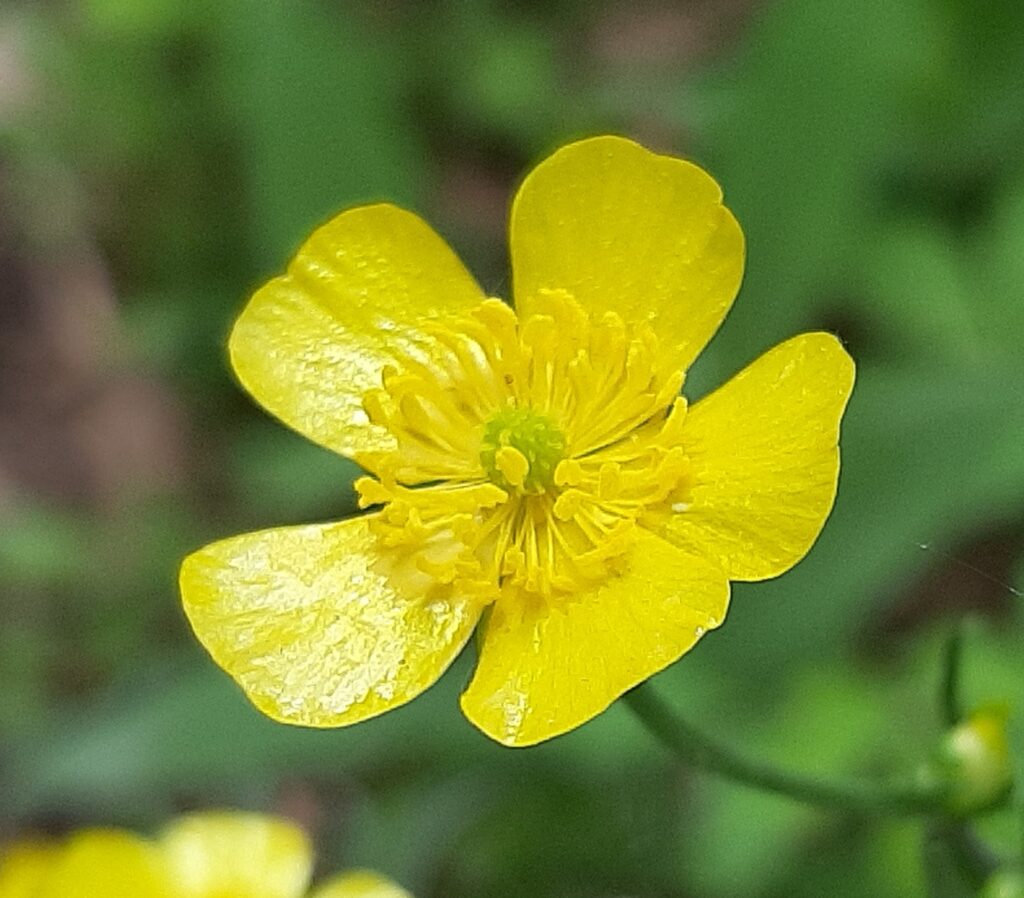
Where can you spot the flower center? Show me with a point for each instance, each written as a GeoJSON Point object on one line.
{"type": "Point", "coordinates": [525, 452]}
{"type": "Point", "coordinates": [521, 449]}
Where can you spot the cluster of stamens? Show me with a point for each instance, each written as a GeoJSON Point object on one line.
{"type": "Point", "coordinates": [525, 453]}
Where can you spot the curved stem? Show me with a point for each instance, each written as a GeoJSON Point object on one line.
{"type": "Point", "coordinates": [694, 747]}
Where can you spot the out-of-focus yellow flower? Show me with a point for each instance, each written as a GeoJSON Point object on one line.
{"type": "Point", "coordinates": [360, 884]}
{"type": "Point", "coordinates": [92, 863]}
{"type": "Point", "coordinates": [235, 855]}
{"type": "Point", "coordinates": [534, 472]}
{"type": "Point", "coordinates": [210, 855]}
{"type": "Point", "coordinates": [22, 868]}
{"type": "Point", "coordinates": [106, 863]}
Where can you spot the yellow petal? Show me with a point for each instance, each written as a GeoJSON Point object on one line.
{"type": "Point", "coordinates": [310, 343]}
{"type": "Point", "coordinates": [765, 457]}
{"type": "Point", "coordinates": [319, 625]}
{"type": "Point", "coordinates": [626, 230]}
{"type": "Point", "coordinates": [23, 867]}
{"type": "Point", "coordinates": [108, 864]}
{"type": "Point", "coordinates": [548, 666]}
{"type": "Point", "coordinates": [360, 884]}
{"type": "Point", "coordinates": [216, 854]}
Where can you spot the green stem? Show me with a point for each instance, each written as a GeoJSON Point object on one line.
{"type": "Point", "coordinates": [955, 861]}
{"type": "Point", "coordinates": [694, 747]}
{"type": "Point", "coordinates": [949, 695]}
{"type": "Point", "coordinates": [972, 856]}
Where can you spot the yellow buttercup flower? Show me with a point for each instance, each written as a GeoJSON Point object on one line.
{"type": "Point", "coordinates": [534, 471]}
{"type": "Point", "coordinates": [225, 854]}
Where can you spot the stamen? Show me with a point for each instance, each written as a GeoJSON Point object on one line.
{"type": "Point", "coordinates": [512, 465]}
{"type": "Point", "coordinates": [526, 453]}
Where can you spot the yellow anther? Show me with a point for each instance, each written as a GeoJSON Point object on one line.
{"type": "Point", "coordinates": [512, 464]}
{"type": "Point", "coordinates": [567, 505]}
{"type": "Point", "coordinates": [670, 387]}
{"type": "Point", "coordinates": [539, 333]}
{"type": "Point", "coordinates": [417, 413]}
{"type": "Point", "coordinates": [561, 306]}
{"type": "Point", "coordinates": [609, 482]}
{"type": "Point", "coordinates": [464, 526]}
{"type": "Point", "coordinates": [638, 366]}
{"type": "Point", "coordinates": [609, 341]}
{"type": "Point", "coordinates": [513, 561]}
{"type": "Point", "coordinates": [498, 317]}
{"type": "Point", "coordinates": [487, 495]}
{"type": "Point", "coordinates": [371, 492]}
{"type": "Point", "coordinates": [375, 408]}
{"type": "Point", "coordinates": [568, 472]}
{"type": "Point", "coordinates": [441, 571]}
{"type": "Point", "coordinates": [673, 427]}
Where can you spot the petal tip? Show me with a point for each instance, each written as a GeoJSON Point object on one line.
{"type": "Point", "coordinates": [625, 229]}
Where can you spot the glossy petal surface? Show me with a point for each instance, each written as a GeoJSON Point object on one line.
{"type": "Point", "coordinates": [360, 884]}
{"type": "Point", "coordinates": [320, 624]}
{"type": "Point", "coordinates": [23, 867]}
{"type": "Point", "coordinates": [310, 343]}
{"type": "Point", "coordinates": [625, 230]}
{"type": "Point", "coordinates": [214, 855]}
{"type": "Point", "coordinates": [108, 864]}
{"type": "Point", "coordinates": [765, 455]}
{"type": "Point", "coordinates": [546, 667]}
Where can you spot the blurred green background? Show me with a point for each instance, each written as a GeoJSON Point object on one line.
{"type": "Point", "coordinates": [159, 159]}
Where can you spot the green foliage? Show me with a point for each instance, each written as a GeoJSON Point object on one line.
{"type": "Point", "coordinates": [874, 154]}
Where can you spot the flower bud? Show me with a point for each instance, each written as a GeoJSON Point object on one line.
{"type": "Point", "coordinates": [1008, 883]}
{"type": "Point", "coordinates": [973, 761]}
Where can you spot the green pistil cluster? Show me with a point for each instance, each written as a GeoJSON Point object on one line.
{"type": "Point", "coordinates": [534, 437]}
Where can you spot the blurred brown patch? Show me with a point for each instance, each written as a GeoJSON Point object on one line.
{"type": "Point", "coordinates": [665, 35]}
{"type": "Point", "coordinates": [81, 424]}
{"type": "Point", "coordinates": [474, 197]}
{"type": "Point", "coordinates": [16, 83]}
{"type": "Point", "coordinates": [972, 577]}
